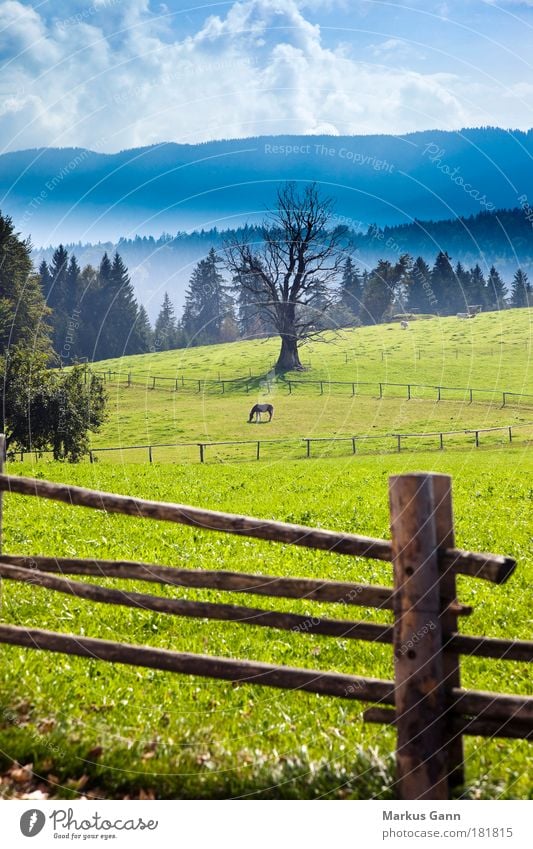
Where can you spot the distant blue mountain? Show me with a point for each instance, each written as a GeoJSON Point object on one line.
{"type": "Point", "coordinates": [73, 195]}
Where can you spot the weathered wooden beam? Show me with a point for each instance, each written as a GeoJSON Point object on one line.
{"type": "Point", "coordinates": [463, 725]}
{"type": "Point", "coordinates": [241, 671]}
{"type": "Point", "coordinates": [491, 567]}
{"type": "Point", "coordinates": [499, 706]}
{"type": "Point", "coordinates": [445, 533]}
{"type": "Point", "coordinates": [266, 529]}
{"type": "Point", "coordinates": [310, 589]}
{"type": "Point", "coordinates": [420, 697]}
{"type": "Point", "coordinates": [369, 631]}
{"type": "Point", "coordinates": [493, 728]}
{"type": "Point", "coordinates": [521, 650]}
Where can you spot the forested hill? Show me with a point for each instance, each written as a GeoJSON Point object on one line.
{"type": "Point", "coordinates": [503, 238]}
{"type": "Point", "coordinates": [57, 195]}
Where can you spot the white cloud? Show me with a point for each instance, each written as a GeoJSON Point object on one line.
{"type": "Point", "coordinates": [261, 67]}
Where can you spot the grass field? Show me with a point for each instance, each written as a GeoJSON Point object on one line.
{"type": "Point", "coordinates": [493, 352]}
{"type": "Point", "coordinates": [116, 729]}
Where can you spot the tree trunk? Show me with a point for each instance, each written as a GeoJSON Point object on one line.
{"type": "Point", "coordinates": [289, 359]}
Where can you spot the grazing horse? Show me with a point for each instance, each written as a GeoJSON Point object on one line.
{"type": "Point", "coordinates": [257, 409]}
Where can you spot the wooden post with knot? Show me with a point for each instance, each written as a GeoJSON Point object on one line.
{"type": "Point", "coordinates": [420, 698]}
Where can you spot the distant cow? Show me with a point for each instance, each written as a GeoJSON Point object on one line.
{"type": "Point", "coordinates": [464, 315]}
{"type": "Point", "coordinates": [404, 325]}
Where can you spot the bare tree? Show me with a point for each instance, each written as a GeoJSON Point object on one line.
{"type": "Point", "coordinates": [289, 273]}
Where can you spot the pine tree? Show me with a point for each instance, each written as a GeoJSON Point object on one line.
{"type": "Point", "coordinates": [144, 330]}
{"type": "Point", "coordinates": [72, 298]}
{"type": "Point", "coordinates": [464, 278]}
{"type": "Point", "coordinates": [351, 288]}
{"type": "Point", "coordinates": [496, 291]}
{"type": "Point", "coordinates": [378, 294]}
{"type": "Point", "coordinates": [207, 303]}
{"type": "Point", "coordinates": [445, 286]}
{"type": "Point", "coordinates": [521, 294]}
{"type": "Point", "coordinates": [89, 330]}
{"type": "Point", "coordinates": [166, 335]}
{"type": "Point", "coordinates": [45, 279]}
{"type": "Point", "coordinates": [477, 290]}
{"type": "Point", "coordinates": [420, 296]}
{"type": "Point", "coordinates": [118, 334]}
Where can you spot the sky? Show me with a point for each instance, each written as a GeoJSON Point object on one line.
{"type": "Point", "coordinates": [116, 74]}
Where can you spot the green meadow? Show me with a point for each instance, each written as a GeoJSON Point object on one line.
{"type": "Point", "coordinates": [114, 729]}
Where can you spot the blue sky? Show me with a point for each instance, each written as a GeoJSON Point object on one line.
{"type": "Point", "coordinates": [114, 74]}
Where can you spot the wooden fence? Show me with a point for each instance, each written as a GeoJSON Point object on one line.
{"type": "Point", "coordinates": [425, 701]}
{"type": "Point", "coordinates": [398, 442]}
{"type": "Point", "coordinates": [379, 389]}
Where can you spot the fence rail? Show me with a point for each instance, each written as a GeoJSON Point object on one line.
{"type": "Point", "coordinates": [303, 444]}
{"type": "Point", "coordinates": [250, 382]}
{"type": "Point", "coordinates": [425, 702]}
{"type": "Point", "coordinates": [397, 440]}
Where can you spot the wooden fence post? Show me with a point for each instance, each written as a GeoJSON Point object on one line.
{"type": "Point", "coordinates": [2, 458]}
{"type": "Point", "coordinates": [421, 755]}
{"type": "Point", "coordinates": [442, 490]}
{"type": "Point", "coordinates": [258, 450]}
{"type": "Point", "coordinates": [201, 447]}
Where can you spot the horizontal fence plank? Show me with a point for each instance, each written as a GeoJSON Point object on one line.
{"type": "Point", "coordinates": [463, 725]}
{"type": "Point", "coordinates": [266, 585]}
{"type": "Point", "coordinates": [472, 703]}
{"type": "Point", "coordinates": [368, 631]}
{"type": "Point", "coordinates": [521, 650]}
{"type": "Point", "coordinates": [493, 728]}
{"type": "Point", "coordinates": [491, 567]}
{"type": "Point", "coordinates": [209, 520]}
{"type": "Point", "coordinates": [240, 671]}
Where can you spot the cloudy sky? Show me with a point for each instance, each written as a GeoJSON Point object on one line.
{"type": "Point", "coordinates": [113, 74]}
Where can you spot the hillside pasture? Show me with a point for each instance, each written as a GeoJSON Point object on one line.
{"type": "Point", "coordinates": [178, 736]}
{"type": "Point", "coordinates": [112, 730]}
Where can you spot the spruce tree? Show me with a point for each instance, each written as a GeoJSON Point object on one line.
{"type": "Point", "coordinates": [419, 291]}
{"type": "Point", "coordinates": [351, 288]}
{"type": "Point", "coordinates": [207, 303]}
{"type": "Point", "coordinates": [165, 336]}
{"type": "Point", "coordinates": [477, 291]}
{"type": "Point", "coordinates": [496, 291]}
{"type": "Point", "coordinates": [521, 295]}
{"type": "Point", "coordinates": [378, 294]}
{"type": "Point", "coordinates": [118, 334]}
{"type": "Point", "coordinates": [144, 330]}
{"type": "Point", "coordinates": [463, 277]}
{"type": "Point", "coordinates": [445, 286]}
